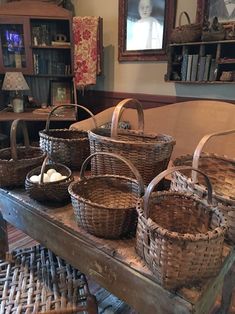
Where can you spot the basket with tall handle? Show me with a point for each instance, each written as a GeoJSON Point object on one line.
{"type": "Point", "coordinates": [66, 146]}
{"type": "Point", "coordinates": [105, 205]}
{"type": "Point", "coordinates": [220, 170]}
{"type": "Point", "coordinates": [149, 153]}
{"type": "Point", "coordinates": [179, 236]}
{"type": "Point", "coordinates": [16, 161]}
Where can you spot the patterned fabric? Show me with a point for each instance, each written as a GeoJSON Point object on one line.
{"type": "Point", "coordinates": [86, 50]}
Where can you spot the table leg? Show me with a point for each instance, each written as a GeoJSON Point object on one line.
{"type": "Point", "coordinates": [3, 237]}
{"type": "Point", "coordinates": [227, 292]}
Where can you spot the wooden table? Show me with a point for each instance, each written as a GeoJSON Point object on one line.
{"type": "Point", "coordinates": [112, 264]}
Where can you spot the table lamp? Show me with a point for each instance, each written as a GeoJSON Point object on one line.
{"type": "Point", "coordinates": [15, 81]}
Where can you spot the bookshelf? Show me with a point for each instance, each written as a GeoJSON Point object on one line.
{"type": "Point", "coordinates": [201, 62]}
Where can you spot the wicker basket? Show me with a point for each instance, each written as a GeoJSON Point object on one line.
{"type": "Point", "coordinates": [150, 153]}
{"type": "Point", "coordinates": [221, 171]}
{"type": "Point", "coordinates": [69, 147]}
{"type": "Point", "coordinates": [17, 161]}
{"type": "Point", "coordinates": [186, 33]}
{"type": "Point", "coordinates": [49, 191]}
{"type": "Point", "coordinates": [179, 236]}
{"type": "Point", "coordinates": [104, 205]}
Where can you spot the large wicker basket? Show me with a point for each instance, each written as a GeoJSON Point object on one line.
{"type": "Point", "coordinates": [56, 191]}
{"type": "Point", "coordinates": [17, 161]}
{"type": "Point", "coordinates": [105, 205]}
{"type": "Point", "coordinates": [179, 236]}
{"type": "Point", "coordinates": [221, 171]}
{"type": "Point", "coordinates": [69, 147]}
{"type": "Point", "coordinates": [186, 33]}
{"type": "Point", "coordinates": [150, 153]}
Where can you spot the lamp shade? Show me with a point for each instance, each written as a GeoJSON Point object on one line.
{"type": "Point", "coordinates": [14, 81]}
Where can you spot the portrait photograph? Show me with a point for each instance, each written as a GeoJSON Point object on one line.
{"type": "Point", "coordinates": [145, 24]}
{"type": "Point", "coordinates": [60, 93]}
{"type": "Point", "coordinates": [223, 9]}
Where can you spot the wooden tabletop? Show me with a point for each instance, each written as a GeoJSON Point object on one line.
{"type": "Point", "coordinates": [113, 264]}
{"type": "Point", "coordinates": [38, 115]}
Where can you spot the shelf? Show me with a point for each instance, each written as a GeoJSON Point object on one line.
{"type": "Point", "coordinates": [228, 61]}
{"type": "Point", "coordinates": [51, 47]}
{"type": "Point", "coordinates": [232, 41]}
{"type": "Point", "coordinates": [200, 82]}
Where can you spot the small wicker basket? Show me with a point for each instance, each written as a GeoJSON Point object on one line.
{"type": "Point", "coordinates": [49, 191]}
{"type": "Point", "coordinates": [17, 161]}
{"type": "Point", "coordinates": [149, 153]}
{"type": "Point", "coordinates": [69, 147]}
{"type": "Point", "coordinates": [105, 205]}
{"type": "Point", "coordinates": [186, 33]}
{"type": "Point", "coordinates": [221, 171]}
{"type": "Point", "coordinates": [179, 236]}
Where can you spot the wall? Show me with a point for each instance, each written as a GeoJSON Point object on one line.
{"type": "Point", "coordinates": [141, 77]}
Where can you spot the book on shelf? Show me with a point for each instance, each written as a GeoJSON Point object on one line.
{"type": "Point", "coordinates": [213, 70]}
{"type": "Point", "coordinates": [201, 68]}
{"type": "Point", "coordinates": [207, 68]}
{"type": "Point", "coordinates": [189, 67]}
{"type": "Point", "coordinates": [194, 67]}
{"type": "Point", "coordinates": [184, 66]}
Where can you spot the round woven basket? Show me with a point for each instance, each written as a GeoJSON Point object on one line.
{"type": "Point", "coordinates": [221, 171]}
{"type": "Point", "coordinates": [179, 236]}
{"type": "Point", "coordinates": [69, 147]}
{"type": "Point", "coordinates": [105, 205]}
{"type": "Point", "coordinates": [17, 161]}
{"type": "Point", "coordinates": [149, 153]}
{"type": "Point", "coordinates": [186, 33]}
{"type": "Point", "coordinates": [56, 191]}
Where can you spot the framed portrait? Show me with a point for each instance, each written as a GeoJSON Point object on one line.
{"type": "Point", "coordinates": [60, 92]}
{"type": "Point", "coordinates": [144, 29]}
{"type": "Point", "coordinates": [223, 9]}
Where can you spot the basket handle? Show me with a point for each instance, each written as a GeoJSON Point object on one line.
{"type": "Point", "coordinates": [69, 105]}
{"type": "Point", "coordinates": [187, 17]}
{"type": "Point", "coordinates": [15, 124]}
{"type": "Point", "coordinates": [124, 160]}
{"type": "Point", "coordinates": [199, 148]}
{"type": "Point", "coordinates": [43, 169]}
{"type": "Point", "coordinates": [118, 111]}
{"type": "Point", "coordinates": [162, 175]}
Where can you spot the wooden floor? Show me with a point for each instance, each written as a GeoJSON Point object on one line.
{"type": "Point", "coordinates": [108, 303]}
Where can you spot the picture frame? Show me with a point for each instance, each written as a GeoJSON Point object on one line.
{"type": "Point", "coordinates": [60, 93]}
{"type": "Point", "coordinates": [207, 9]}
{"type": "Point", "coordinates": [129, 13]}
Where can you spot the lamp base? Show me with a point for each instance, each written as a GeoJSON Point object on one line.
{"type": "Point", "coordinates": [18, 104]}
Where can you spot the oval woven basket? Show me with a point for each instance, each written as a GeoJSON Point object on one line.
{"type": "Point", "coordinates": [56, 191]}
{"type": "Point", "coordinates": [17, 161]}
{"type": "Point", "coordinates": [179, 236]}
{"type": "Point", "coordinates": [186, 33]}
{"type": "Point", "coordinates": [149, 153]}
{"type": "Point", "coordinates": [221, 171]}
{"type": "Point", "coordinates": [104, 205]}
{"type": "Point", "coordinates": [69, 147]}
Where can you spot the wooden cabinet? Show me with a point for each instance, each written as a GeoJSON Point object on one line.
{"type": "Point", "coordinates": [201, 62]}
{"type": "Point", "coordinates": [36, 39]}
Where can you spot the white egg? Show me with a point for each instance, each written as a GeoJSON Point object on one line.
{"type": "Point", "coordinates": [63, 177]}
{"type": "Point", "coordinates": [34, 179]}
{"type": "Point", "coordinates": [50, 171]}
{"type": "Point", "coordinates": [46, 178]}
{"type": "Point", "coordinates": [56, 176]}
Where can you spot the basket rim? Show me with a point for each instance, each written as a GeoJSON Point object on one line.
{"type": "Point", "coordinates": [43, 134]}
{"type": "Point", "coordinates": [38, 184]}
{"type": "Point", "coordinates": [42, 154]}
{"type": "Point", "coordinates": [87, 201]}
{"type": "Point", "coordinates": [200, 186]}
{"type": "Point", "coordinates": [169, 139]}
{"type": "Point", "coordinates": [177, 236]}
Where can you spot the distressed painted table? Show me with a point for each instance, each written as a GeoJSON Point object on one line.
{"type": "Point", "coordinates": [112, 264]}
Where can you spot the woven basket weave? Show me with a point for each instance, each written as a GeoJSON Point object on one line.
{"type": "Point", "coordinates": [104, 205]}
{"type": "Point", "coordinates": [221, 171]}
{"type": "Point", "coordinates": [186, 33]}
{"type": "Point", "coordinates": [65, 146]}
{"type": "Point", "coordinates": [179, 236]}
{"type": "Point", "coordinates": [38, 281]}
{"type": "Point", "coordinates": [17, 161]}
{"type": "Point", "coordinates": [149, 153]}
{"type": "Point", "coordinates": [49, 191]}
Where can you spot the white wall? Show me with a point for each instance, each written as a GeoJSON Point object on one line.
{"type": "Point", "coordinates": [141, 77]}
